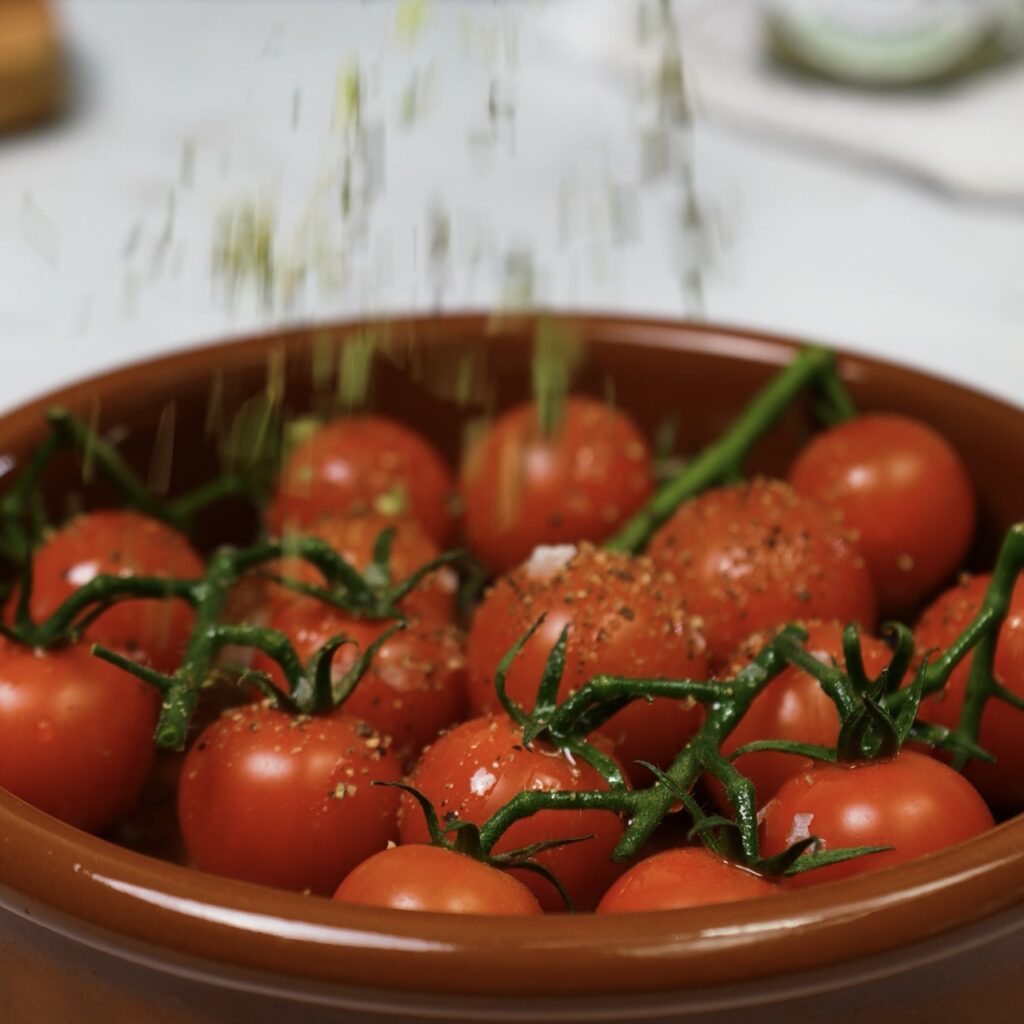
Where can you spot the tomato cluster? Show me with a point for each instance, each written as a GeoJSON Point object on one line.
{"type": "Point", "coordinates": [292, 784]}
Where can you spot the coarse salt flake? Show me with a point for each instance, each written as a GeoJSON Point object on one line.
{"type": "Point", "coordinates": [547, 559]}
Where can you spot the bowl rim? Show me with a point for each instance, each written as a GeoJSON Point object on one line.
{"type": "Point", "coordinates": [85, 883]}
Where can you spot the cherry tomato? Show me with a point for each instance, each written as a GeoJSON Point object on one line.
{"type": "Point", "coordinates": [364, 462]}
{"type": "Point", "coordinates": [479, 766]}
{"type": "Point", "coordinates": [522, 488]}
{"type": "Point", "coordinates": [627, 618]}
{"type": "Point", "coordinates": [286, 801]}
{"type": "Point", "coordinates": [912, 803]}
{"type": "Point", "coordinates": [794, 707]}
{"type": "Point", "coordinates": [414, 687]}
{"type": "Point", "coordinates": [1002, 728]}
{"type": "Point", "coordinates": [757, 555]}
{"type": "Point", "coordinates": [904, 491]}
{"type": "Point", "coordinates": [688, 876]}
{"type": "Point", "coordinates": [121, 543]}
{"type": "Point", "coordinates": [76, 733]}
{"type": "Point", "coordinates": [353, 535]}
{"type": "Point", "coordinates": [419, 877]}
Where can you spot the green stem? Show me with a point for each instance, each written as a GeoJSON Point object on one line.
{"type": "Point", "coordinates": [406, 586]}
{"type": "Point", "coordinates": [209, 596]}
{"type": "Point", "coordinates": [204, 642]}
{"type": "Point", "coordinates": [209, 635]}
{"type": "Point", "coordinates": [67, 430]}
{"type": "Point", "coordinates": [273, 643]}
{"type": "Point", "coordinates": [89, 446]}
{"type": "Point", "coordinates": [647, 807]}
{"type": "Point", "coordinates": [741, 796]}
{"type": "Point", "coordinates": [834, 681]}
{"type": "Point", "coordinates": [335, 569]}
{"type": "Point", "coordinates": [529, 802]}
{"type": "Point", "coordinates": [724, 457]}
{"type": "Point", "coordinates": [608, 694]}
{"type": "Point", "coordinates": [942, 668]}
{"type": "Point", "coordinates": [839, 405]}
{"type": "Point", "coordinates": [183, 508]}
{"type": "Point", "coordinates": [16, 544]}
{"type": "Point", "coordinates": [94, 596]}
{"type": "Point", "coordinates": [981, 682]}
{"type": "Point", "coordinates": [158, 679]}
{"type": "Point", "coordinates": [654, 803]}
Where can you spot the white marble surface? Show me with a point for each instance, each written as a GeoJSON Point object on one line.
{"type": "Point", "coordinates": [534, 131]}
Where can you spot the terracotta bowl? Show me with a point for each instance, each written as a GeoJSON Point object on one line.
{"type": "Point", "coordinates": [90, 931]}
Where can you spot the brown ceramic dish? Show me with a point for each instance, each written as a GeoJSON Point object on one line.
{"type": "Point", "coordinates": [90, 931]}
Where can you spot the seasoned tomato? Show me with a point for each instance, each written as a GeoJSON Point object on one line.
{"type": "Point", "coordinates": [364, 462]}
{"type": "Point", "coordinates": [626, 617]}
{"type": "Point", "coordinates": [522, 487]}
{"type": "Point", "coordinates": [904, 491]}
{"type": "Point", "coordinates": [756, 555]}
{"type": "Point", "coordinates": [472, 771]}
{"type": "Point", "coordinates": [793, 707]}
{"type": "Point", "coordinates": [76, 733]}
{"type": "Point", "coordinates": [1002, 727]}
{"type": "Point", "coordinates": [419, 877]}
{"type": "Point", "coordinates": [688, 876]}
{"type": "Point", "coordinates": [912, 803]}
{"type": "Point", "coordinates": [121, 543]}
{"type": "Point", "coordinates": [414, 687]}
{"type": "Point", "coordinates": [286, 801]}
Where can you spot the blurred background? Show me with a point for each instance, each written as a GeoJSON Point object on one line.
{"type": "Point", "coordinates": [848, 171]}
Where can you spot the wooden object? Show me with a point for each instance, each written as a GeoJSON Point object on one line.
{"type": "Point", "coordinates": [31, 81]}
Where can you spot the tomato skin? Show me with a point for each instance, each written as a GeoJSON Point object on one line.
{"type": "Point", "coordinates": [912, 802]}
{"type": "Point", "coordinates": [793, 707]}
{"type": "Point", "coordinates": [356, 463]}
{"type": "Point", "coordinates": [414, 687]}
{"type": "Point", "coordinates": [689, 876]}
{"type": "Point", "coordinates": [627, 618]}
{"type": "Point", "coordinates": [477, 767]}
{"type": "Point", "coordinates": [353, 535]}
{"type": "Point", "coordinates": [284, 801]}
{"type": "Point", "coordinates": [76, 733]}
{"type": "Point", "coordinates": [420, 877]}
{"type": "Point", "coordinates": [757, 555]}
{"type": "Point", "coordinates": [904, 490]}
{"type": "Point", "coordinates": [521, 489]}
{"type": "Point", "coordinates": [122, 543]}
{"type": "Point", "coordinates": [1002, 727]}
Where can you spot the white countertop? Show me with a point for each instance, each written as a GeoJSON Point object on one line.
{"type": "Point", "coordinates": [528, 156]}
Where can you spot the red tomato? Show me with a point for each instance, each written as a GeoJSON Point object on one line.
{"type": "Point", "coordinates": [1002, 728]}
{"type": "Point", "coordinates": [121, 543]}
{"type": "Point", "coordinates": [414, 687]}
{"type": "Point", "coordinates": [364, 462]}
{"type": "Point", "coordinates": [757, 555]}
{"type": "Point", "coordinates": [912, 803]}
{"type": "Point", "coordinates": [689, 876]}
{"type": "Point", "coordinates": [353, 535]}
{"type": "Point", "coordinates": [479, 766]}
{"type": "Point", "coordinates": [76, 733]}
{"type": "Point", "coordinates": [627, 618]}
{"type": "Point", "coordinates": [418, 877]}
{"type": "Point", "coordinates": [904, 491]}
{"type": "Point", "coordinates": [522, 488]}
{"type": "Point", "coordinates": [286, 801]}
{"type": "Point", "coordinates": [794, 707]}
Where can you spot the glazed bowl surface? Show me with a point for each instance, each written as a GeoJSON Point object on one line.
{"type": "Point", "coordinates": [92, 931]}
